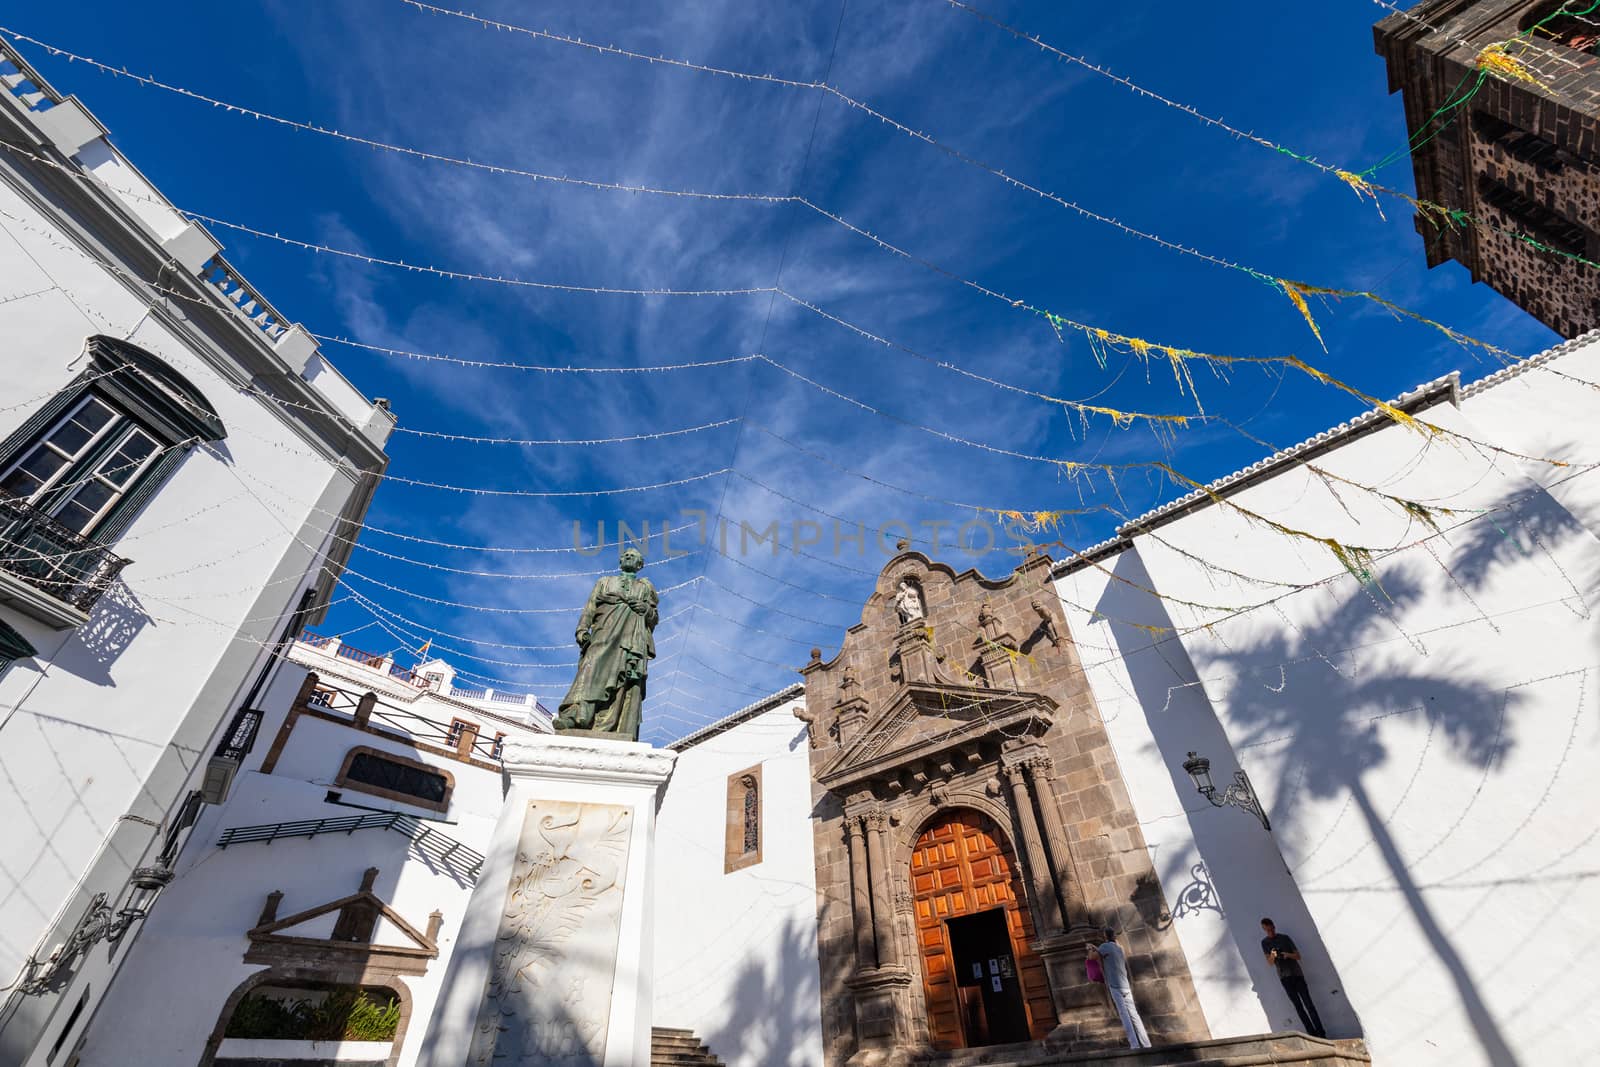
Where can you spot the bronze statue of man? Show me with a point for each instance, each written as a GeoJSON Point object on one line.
{"type": "Point", "coordinates": [616, 634]}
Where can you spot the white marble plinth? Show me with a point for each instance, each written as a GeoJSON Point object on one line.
{"type": "Point", "coordinates": [552, 963]}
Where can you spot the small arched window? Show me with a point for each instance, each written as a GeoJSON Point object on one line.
{"type": "Point", "coordinates": [90, 457]}
{"type": "Point", "coordinates": [752, 816]}
{"type": "Point", "coordinates": [742, 845]}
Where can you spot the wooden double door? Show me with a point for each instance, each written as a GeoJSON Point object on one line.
{"type": "Point", "coordinates": [982, 983]}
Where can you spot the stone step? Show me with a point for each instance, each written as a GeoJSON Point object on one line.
{"type": "Point", "coordinates": [1282, 1049]}
{"type": "Point", "coordinates": [672, 1047]}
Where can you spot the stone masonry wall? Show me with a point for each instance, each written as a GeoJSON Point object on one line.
{"type": "Point", "coordinates": [1562, 107]}
{"type": "Point", "coordinates": [1113, 866]}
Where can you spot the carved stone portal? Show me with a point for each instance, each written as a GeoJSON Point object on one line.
{"type": "Point", "coordinates": [967, 771]}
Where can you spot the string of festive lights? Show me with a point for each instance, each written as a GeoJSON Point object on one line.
{"type": "Point", "coordinates": [519, 442]}
{"type": "Point", "coordinates": [1099, 339]}
{"type": "Point", "coordinates": [1294, 290]}
{"type": "Point", "coordinates": [1358, 182]}
{"type": "Point", "coordinates": [1346, 554]}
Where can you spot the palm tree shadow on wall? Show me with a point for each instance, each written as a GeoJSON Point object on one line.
{"type": "Point", "coordinates": [1327, 752]}
{"type": "Point", "coordinates": [776, 1003]}
{"type": "Point", "coordinates": [1329, 743]}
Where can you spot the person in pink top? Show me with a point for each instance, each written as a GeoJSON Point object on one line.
{"type": "Point", "coordinates": [1115, 965]}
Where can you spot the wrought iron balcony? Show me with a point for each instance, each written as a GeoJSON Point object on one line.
{"type": "Point", "coordinates": [52, 559]}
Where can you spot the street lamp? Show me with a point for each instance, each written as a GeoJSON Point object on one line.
{"type": "Point", "coordinates": [98, 924]}
{"type": "Point", "coordinates": [1240, 794]}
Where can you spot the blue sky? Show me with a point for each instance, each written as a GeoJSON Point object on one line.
{"type": "Point", "coordinates": [1302, 74]}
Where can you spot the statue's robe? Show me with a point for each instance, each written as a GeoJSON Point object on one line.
{"type": "Point", "coordinates": [608, 692]}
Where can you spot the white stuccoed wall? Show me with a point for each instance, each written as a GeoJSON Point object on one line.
{"type": "Point", "coordinates": [79, 738]}
{"type": "Point", "coordinates": [1423, 750]}
{"type": "Point", "coordinates": [736, 954]}
{"type": "Point", "coordinates": [193, 944]}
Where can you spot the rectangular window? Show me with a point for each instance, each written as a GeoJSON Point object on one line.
{"type": "Point", "coordinates": [43, 465]}
{"type": "Point", "coordinates": [106, 481]}
{"type": "Point", "coordinates": [83, 466]}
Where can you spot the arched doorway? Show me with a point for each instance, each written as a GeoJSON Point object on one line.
{"type": "Point", "coordinates": [982, 983]}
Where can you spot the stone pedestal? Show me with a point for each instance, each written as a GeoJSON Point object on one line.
{"type": "Point", "coordinates": [552, 963]}
{"type": "Point", "coordinates": [882, 1014]}
{"type": "Point", "coordinates": [1085, 1018]}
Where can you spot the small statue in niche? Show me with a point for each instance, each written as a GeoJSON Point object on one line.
{"type": "Point", "coordinates": [908, 602]}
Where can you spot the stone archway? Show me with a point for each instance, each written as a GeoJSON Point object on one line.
{"type": "Point", "coordinates": [962, 868]}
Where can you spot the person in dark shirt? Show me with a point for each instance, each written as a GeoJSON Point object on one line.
{"type": "Point", "coordinates": [1281, 952]}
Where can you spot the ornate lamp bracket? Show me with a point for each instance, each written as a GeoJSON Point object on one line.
{"type": "Point", "coordinates": [1241, 794]}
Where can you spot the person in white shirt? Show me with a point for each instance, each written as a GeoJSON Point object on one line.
{"type": "Point", "coordinates": [1115, 965]}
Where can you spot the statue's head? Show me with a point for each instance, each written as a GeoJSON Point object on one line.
{"type": "Point", "coordinates": [631, 560]}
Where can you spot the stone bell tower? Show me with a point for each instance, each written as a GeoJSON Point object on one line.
{"type": "Point", "coordinates": [972, 830]}
{"type": "Point", "coordinates": [1519, 152]}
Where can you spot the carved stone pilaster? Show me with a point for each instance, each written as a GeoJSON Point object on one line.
{"type": "Point", "coordinates": [877, 823]}
{"type": "Point", "coordinates": [860, 894]}
{"type": "Point", "coordinates": [917, 659]}
{"type": "Point", "coordinates": [1040, 768]}
{"type": "Point", "coordinates": [999, 657]}
{"type": "Point", "coordinates": [852, 717]}
{"type": "Point", "coordinates": [883, 1017]}
{"type": "Point", "coordinates": [1040, 878]}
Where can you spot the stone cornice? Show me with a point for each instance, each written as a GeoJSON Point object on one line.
{"type": "Point", "coordinates": [86, 212]}
{"type": "Point", "coordinates": [876, 755]}
{"type": "Point", "coordinates": [587, 760]}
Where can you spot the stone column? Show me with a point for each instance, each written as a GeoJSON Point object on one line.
{"type": "Point", "coordinates": [860, 894]}
{"type": "Point", "coordinates": [877, 821]}
{"type": "Point", "coordinates": [1039, 870]}
{"type": "Point", "coordinates": [1039, 768]}
{"type": "Point", "coordinates": [1083, 1016]}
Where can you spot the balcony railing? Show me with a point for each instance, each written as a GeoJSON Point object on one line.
{"type": "Point", "coordinates": [53, 559]}
{"type": "Point", "coordinates": [366, 711]}
{"type": "Point", "coordinates": [433, 846]}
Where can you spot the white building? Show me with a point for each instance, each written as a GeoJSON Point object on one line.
{"type": "Point", "coordinates": [181, 472]}
{"type": "Point", "coordinates": [1420, 741]}
{"type": "Point", "coordinates": [342, 858]}
{"type": "Point", "coordinates": [428, 689]}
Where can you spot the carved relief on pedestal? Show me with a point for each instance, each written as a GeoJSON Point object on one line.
{"type": "Point", "coordinates": [549, 991]}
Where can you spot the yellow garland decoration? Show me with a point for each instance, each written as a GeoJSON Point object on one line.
{"type": "Point", "coordinates": [1497, 60]}
{"type": "Point", "coordinates": [1297, 294]}
{"type": "Point", "coordinates": [1363, 189]}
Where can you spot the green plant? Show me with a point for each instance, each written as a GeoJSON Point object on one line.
{"type": "Point", "coordinates": [346, 1014]}
{"type": "Point", "coordinates": [371, 1021]}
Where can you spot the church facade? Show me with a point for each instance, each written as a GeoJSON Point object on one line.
{"type": "Point", "coordinates": [971, 829]}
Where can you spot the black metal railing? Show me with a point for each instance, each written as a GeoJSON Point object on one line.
{"type": "Point", "coordinates": [430, 844]}
{"type": "Point", "coordinates": [53, 559]}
